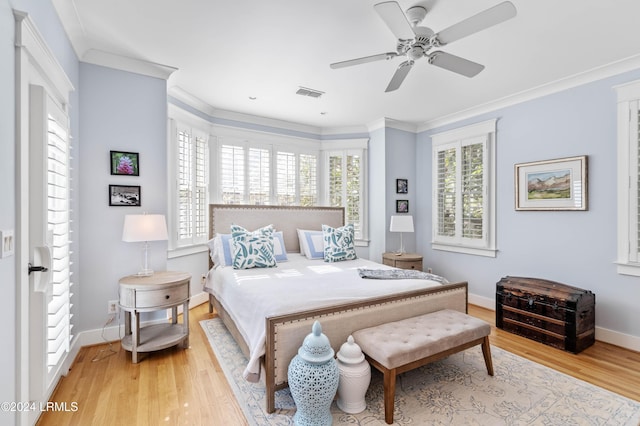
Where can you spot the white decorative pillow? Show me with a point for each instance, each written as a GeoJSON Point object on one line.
{"type": "Point", "coordinates": [339, 243]}
{"type": "Point", "coordinates": [220, 250]}
{"type": "Point", "coordinates": [311, 243]}
{"type": "Point", "coordinates": [252, 249]}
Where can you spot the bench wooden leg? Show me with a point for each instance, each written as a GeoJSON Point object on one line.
{"type": "Point", "coordinates": [389, 382]}
{"type": "Point", "coordinates": [486, 351]}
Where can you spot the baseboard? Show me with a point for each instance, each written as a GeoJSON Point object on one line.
{"type": "Point", "coordinates": [602, 334]}
{"type": "Point", "coordinates": [114, 329]}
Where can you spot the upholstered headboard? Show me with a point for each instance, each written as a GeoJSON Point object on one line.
{"type": "Point", "coordinates": [283, 218]}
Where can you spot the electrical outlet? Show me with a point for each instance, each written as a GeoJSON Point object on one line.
{"type": "Point", "coordinates": [112, 307]}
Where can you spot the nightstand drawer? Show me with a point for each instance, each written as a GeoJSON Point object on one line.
{"type": "Point", "coordinates": [154, 298]}
{"type": "Point", "coordinates": [409, 264]}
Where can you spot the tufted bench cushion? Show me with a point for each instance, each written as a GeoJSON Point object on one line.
{"type": "Point", "coordinates": [400, 346]}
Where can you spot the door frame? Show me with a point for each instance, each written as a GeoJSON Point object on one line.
{"type": "Point", "coordinates": [33, 61]}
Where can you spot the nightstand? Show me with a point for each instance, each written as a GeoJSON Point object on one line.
{"type": "Point", "coordinates": [162, 290]}
{"type": "Point", "coordinates": [403, 261]}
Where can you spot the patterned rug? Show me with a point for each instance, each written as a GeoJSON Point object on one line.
{"type": "Point", "coordinates": [454, 391]}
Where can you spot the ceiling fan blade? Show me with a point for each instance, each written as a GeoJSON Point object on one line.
{"type": "Point", "coordinates": [455, 63]}
{"type": "Point", "coordinates": [490, 17]}
{"type": "Point", "coordinates": [399, 76]}
{"type": "Point", "coordinates": [363, 60]}
{"type": "Point", "coordinates": [392, 14]}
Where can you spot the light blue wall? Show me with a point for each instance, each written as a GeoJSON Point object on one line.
{"type": "Point", "coordinates": [576, 248]}
{"type": "Point", "coordinates": [7, 208]}
{"type": "Point", "coordinates": [127, 112]}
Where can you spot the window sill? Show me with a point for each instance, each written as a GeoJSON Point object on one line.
{"type": "Point", "coordinates": [628, 268]}
{"type": "Point", "coordinates": [186, 251]}
{"type": "Point", "coordinates": [477, 251]}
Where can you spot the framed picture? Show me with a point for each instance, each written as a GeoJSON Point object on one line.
{"type": "Point", "coordinates": [402, 186]}
{"type": "Point", "coordinates": [552, 185]}
{"type": "Point", "coordinates": [402, 206]}
{"type": "Point", "coordinates": [124, 195]}
{"type": "Point", "coordinates": [125, 163]}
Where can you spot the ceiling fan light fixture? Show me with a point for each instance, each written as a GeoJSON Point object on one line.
{"type": "Point", "coordinates": [416, 14]}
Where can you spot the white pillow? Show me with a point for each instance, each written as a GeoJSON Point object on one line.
{"type": "Point", "coordinates": [279, 249]}
{"type": "Point", "coordinates": [311, 243]}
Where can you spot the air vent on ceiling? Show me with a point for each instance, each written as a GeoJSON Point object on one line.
{"type": "Point", "coordinates": [305, 91]}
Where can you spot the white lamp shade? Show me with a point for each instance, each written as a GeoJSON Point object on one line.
{"type": "Point", "coordinates": [144, 227]}
{"type": "Point", "coordinates": [402, 223]}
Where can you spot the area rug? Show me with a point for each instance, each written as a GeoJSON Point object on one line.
{"type": "Point", "coordinates": [454, 391]}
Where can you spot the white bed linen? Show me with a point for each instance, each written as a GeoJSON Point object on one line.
{"type": "Point", "coordinates": [251, 295]}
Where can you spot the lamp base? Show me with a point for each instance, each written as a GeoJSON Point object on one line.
{"type": "Point", "coordinates": [145, 273]}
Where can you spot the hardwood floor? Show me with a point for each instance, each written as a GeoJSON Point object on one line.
{"type": "Point", "coordinates": [187, 387]}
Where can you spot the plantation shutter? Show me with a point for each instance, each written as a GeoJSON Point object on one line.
{"type": "Point", "coordinates": [192, 187]}
{"type": "Point", "coordinates": [344, 186]}
{"type": "Point", "coordinates": [286, 177]}
{"type": "Point", "coordinates": [232, 174]}
{"type": "Point", "coordinates": [259, 176]}
{"type": "Point", "coordinates": [308, 180]}
{"type": "Point", "coordinates": [472, 190]}
{"type": "Point", "coordinates": [446, 184]}
{"type": "Point", "coordinates": [58, 220]}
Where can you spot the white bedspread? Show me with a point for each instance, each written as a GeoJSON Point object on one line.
{"type": "Point", "coordinates": [251, 295]}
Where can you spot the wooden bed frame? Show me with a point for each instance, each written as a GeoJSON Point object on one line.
{"type": "Point", "coordinates": [285, 333]}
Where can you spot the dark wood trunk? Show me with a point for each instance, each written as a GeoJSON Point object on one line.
{"type": "Point", "coordinates": [556, 314]}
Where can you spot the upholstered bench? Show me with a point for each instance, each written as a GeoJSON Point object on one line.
{"type": "Point", "coordinates": [400, 346]}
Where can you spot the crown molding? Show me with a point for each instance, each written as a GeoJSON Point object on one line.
{"type": "Point", "coordinates": [124, 63]}
{"type": "Point", "coordinates": [615, 68]}
{"type": "Point", "coordinates": [384, 123]}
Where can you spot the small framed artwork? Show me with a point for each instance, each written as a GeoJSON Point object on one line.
{"type": "Point", "coordinates": [559, 184]}
{"type": "Point", "coordinates": [124, 195]}
{"type": "Point", "coordinates": [7, 243]}
{"type": "Point", "coordinates": [402, 206]}
{"type": "Point", "coordinates": [402, 186]}
{"type": "Point", "coordinates": [125, 163]}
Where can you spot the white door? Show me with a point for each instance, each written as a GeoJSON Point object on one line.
{"type": "Point", "coordinates": [49, 279]}
{"type": "Point", "coordinates": [42, 222]}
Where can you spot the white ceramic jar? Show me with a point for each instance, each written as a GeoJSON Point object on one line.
{"type": "Point", "coordinates": [355, 376]}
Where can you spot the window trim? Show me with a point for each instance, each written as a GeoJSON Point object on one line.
{"type": "Point", "coordinates": [177, 119]}
{"type": "Point", "coordinates": [628, 98]}
{"type": "Point", "coordinates": [457, 137]}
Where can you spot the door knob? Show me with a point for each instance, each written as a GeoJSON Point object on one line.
{"type": "Point", "coordinates": [37, 269]}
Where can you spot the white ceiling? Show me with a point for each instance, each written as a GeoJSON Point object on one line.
{"type": "Point", "coordinates": [226, 51]}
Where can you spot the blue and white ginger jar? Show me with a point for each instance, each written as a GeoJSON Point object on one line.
{"type": "Point", "coordinates": [313, 380]}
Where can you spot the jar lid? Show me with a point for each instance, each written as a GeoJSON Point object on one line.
{"type": "Point", "coordinates": [316, 348]}
{"type": "Point", "coordinates": [350, 352]}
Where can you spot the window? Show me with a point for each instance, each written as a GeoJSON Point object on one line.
{"type": "Point", "coordinates": [255, 172]}
{"type": "Point", "coordinates": [629, 178]}
{"type": "Point", "coordinates": [345, 185]}
{"type": "Point", "coordinates": [463, 190]}
{"type": "Point", "coordinates": [192, 186]}
{"type": "Point", "coordinates": [257, 168]}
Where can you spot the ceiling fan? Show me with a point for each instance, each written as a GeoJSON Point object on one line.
{"type": "Point", "coordinates": [415, 42]}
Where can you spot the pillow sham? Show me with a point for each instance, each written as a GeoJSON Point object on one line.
{"type": "Point", "coordinates": [339, 243]}
{"type": "Point", "coordinates": [279, 249]}
{"type": "Point", "coordinates": [252, 249]}
{"type": "Point", "coordinates": [311, 243]}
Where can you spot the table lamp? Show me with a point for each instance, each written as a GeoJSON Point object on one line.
{"type": "Point", "coordinates": [144, 228]}
{"type": "Point", "coordinates": [401, 224]}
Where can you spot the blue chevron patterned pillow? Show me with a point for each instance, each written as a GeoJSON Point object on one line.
{"type": "Point", "coordinates": [252, 249]}
{"type": "Point", "coordinates": [339, 243]}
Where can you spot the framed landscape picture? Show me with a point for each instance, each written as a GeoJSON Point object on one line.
{"type": "Point", "coordinates": [125, 163]}
{"type": "Point", "coordinates": [552, 185]}
{"type": "Point", "coordinates": [124, 195]}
